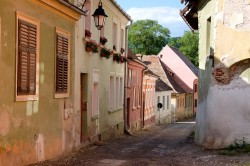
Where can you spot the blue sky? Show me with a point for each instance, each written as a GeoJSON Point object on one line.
{"type": "Point", "coordinates": [166, 12]}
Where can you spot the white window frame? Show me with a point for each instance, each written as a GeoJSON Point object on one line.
{"type": "Point", "coordinates": [163, 102]}
{"type": "Point", "coordinates": [111, 92]}
{"type": "Point", "coordinates": [95, 82]}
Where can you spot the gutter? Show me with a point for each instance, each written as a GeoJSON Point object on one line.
{"type": "Point", "coordinates": [121, 10]}
{"type": "Point", "coordinates": [73, 7]}
{"type": "Point", "coordinates": [125, 77]}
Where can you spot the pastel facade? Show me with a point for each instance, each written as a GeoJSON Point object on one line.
{"type": "Point", "coordinates": [99, 80]}
{"type": "Point", "coordinates": [57, 96]}
{"type": "Point", "coordinates": [180, 76]}
{"type": "Point", "coordinates": [223, 101]}
{"type": "Point", "coordinates": [163, 95]}
{"type": "Point", "coordinates": [163, 90]}
{"type": "Point", "coordinates": [179, 64]}
{"type": "Point", "coordinates": [134, 105]}
{"type": "Point", "coordinates": [37, 51]}
{"type": "Point", "coordinates": [149, 80]}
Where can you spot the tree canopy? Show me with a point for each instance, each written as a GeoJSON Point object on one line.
{"type": "Point", "coordinates": [147, 37]}
{"type": "Point", "coordinates": [188, 45]}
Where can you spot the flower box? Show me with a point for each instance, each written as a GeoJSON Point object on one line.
{"type": "Point", "coordinates": [103, 40]}
{"type": "Point", "coordinates": [105, 52]}
{"type": "Point", "coordinates": [91, 46]}
{"type": "Point", "coordinates": [87, 34]}
{"type": "Point", "coordinates": [122, 50]}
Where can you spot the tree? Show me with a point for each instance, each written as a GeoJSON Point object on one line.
{"type": "Point", "coordinates": [188, 45]}
{"type": "Point", "coordinates": [147, 37]}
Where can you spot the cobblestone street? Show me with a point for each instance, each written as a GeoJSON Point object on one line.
{"type": "Point", "coordinates": [158, 145]}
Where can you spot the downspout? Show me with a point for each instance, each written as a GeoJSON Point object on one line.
{"type": "Point", "coordinates": [125, 77]}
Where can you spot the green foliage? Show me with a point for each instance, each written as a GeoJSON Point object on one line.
{"type": "Point", "coordinates": [239, 147]}
{"type": "Point", "coordinates": [188, 45]}
{"type": "Point", "coordinates": [147, 37]}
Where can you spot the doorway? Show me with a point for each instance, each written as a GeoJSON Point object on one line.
{"type": "Point", "coordinates": [128, 113]}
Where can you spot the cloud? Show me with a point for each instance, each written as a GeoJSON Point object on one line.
{"type": "Point", "coordinates": [166, 16]}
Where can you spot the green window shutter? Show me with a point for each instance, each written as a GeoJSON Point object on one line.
{"type": "Point", "coordinates": [27, 58]}
{"type": "Point", "coordinates": [61, 64]}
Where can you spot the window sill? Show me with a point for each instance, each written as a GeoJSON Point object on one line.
{"type": "Point", "coordinates": [27, 98]}
{"type": "Point", "coordinates": [61, 95]}
{"type": "Point", "coordinates": [93, 118]}
{"type": "Point", "coordinates": [116, 110]}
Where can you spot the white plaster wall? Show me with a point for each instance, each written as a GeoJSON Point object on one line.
{"type": "Point", "coordinates": [223, 109]}
{"type": "Point", "coordinates": [227, 115]}
{"type": "Point", "coordinates": [163, 116]}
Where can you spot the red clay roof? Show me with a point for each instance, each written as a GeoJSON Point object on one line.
{"type": "Point", "coordinates": [153, 63]}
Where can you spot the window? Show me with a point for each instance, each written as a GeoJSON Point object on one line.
{"type": "Point", "coordinates": [195, 88]}
{"type": "Point", "coordinates": [95, 99]}
{"type": "Point", "coordinates": [117, 91]}
{"type": "Point", "coordinates": [27, 78]}
{"type": "Point", "coordinates": [134, 98]}
{"type": "Point", "coordinates": [139, 97]}
{"type": "Point", "coordinates": [163, 102]}
{"type": "Point", "coordinates": [177, 103]}
{"type": "Point", "coordinates": [167, 102]}
{"type": "Point", "coordinates": [195, 103]}
{"type": "Point", "coordinates": [102, 32]}
{"type": "Point", "coordinates": [111, 92]}
{"type": "Point", "coordinates": [158, 99]}
{"type": "Point", "coordinates": [62, 64]}
{"type": "Point", "coordinates": [89, 16]}
{"type": "Point", "coordinates": [122, 38]}
{"type": "Point", "coordinates": [130, 71]}
{"type": "Point", "coordinates": [121, 92]}
{"type": "Point", "coordinates": [114, 34]}
{"type": "Point", "coordinates": [208, 37]}
{"type": "Point", "coordinates": [95, 93]}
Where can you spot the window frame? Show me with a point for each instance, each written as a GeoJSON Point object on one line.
{"type": "Point", "coordinates": [35, 22]}
{"type": "Point", "coordinates": [95, 82]}
{"type": "Point", "coordinates": [66, 34]}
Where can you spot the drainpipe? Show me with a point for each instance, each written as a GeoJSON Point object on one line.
{"type": "Point", "coordinates": [125, 77]}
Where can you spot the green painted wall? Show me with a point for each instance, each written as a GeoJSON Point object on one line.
{"type": "Point", "coordinates": [21, 122]}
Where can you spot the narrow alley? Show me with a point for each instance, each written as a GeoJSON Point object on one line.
{"type": "Point", "coordinates": [159, 145]}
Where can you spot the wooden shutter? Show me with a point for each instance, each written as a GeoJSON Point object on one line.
{"type": "Point", "coordinates": [61, 64]}
{"type": "Point", "coordinates": [27, 58]}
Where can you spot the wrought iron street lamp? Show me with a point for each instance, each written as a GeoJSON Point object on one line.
{"type": "Point", "coordinates": [99, 16]}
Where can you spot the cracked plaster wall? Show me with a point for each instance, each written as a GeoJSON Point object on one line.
{"type": "Point", "coordinates": [223, 109]}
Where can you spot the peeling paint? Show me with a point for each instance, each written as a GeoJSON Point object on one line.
{"type": "Point", "coordinates": [4, 123]}
{"type": "Point", "coordinates": [40, 148]}
{"type": "Point", "coordinates": [224, 90]}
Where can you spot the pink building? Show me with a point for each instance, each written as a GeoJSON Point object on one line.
{"type": "Point", "coordinates": [181, 74]}
{"type": "Point", "coordinates": [134, 109]}
{"type": "Point", "coordinates": [149, 82]}
{"type": "Point", "coordinates": [180, 64]}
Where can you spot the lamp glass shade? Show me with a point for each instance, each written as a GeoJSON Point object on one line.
{"type": "Point", "coordinates": [99, 17]}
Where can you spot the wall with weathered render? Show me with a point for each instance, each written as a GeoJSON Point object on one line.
{"type": "Point", "coordinates": [163, 116]}
{"type": "Point", "coordinates": [32, 131]}
{"type": "Point", "coordinates": [223, 110]}
{"type": "Point", "coordinates": [109, 123]}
